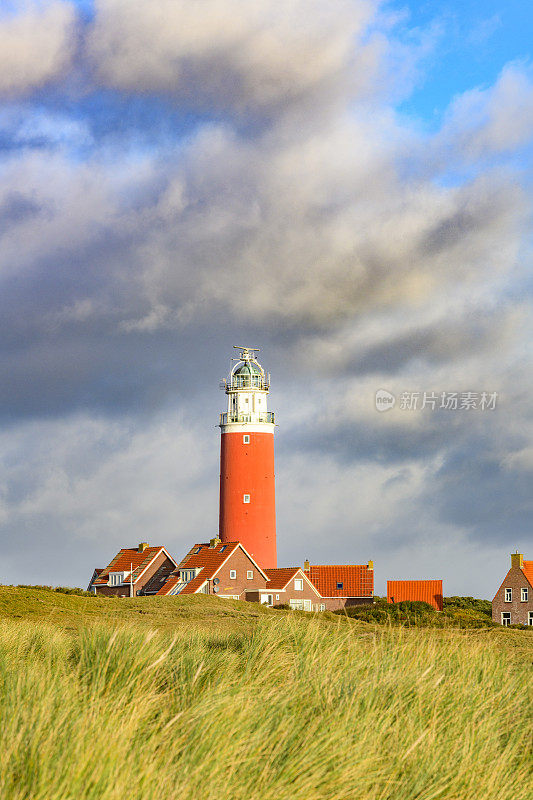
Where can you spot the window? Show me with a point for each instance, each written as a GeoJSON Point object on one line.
{"type": "Point", "coordinates": [508, 595]}
{"type": "Point", "coordinates": [197, 550]}
{"type": "Point", "coordinates": [250, 574]}
{"type": "Point", "coordinates": [506, 618]}
{"type": "Point", "coordinates": [223, 548]}
{"type": "Point", "coordinates": [298, 605]}
{"type": "Point", "coordinates": [322, 606]}
{"type": "Point", "coordinates": [246, 498]}
{"type": "Point", "coordinates": [299, 585]}
{"type": "Point", "coordinates": [524, 594]}
{"type": "Point", "coordinates": [277, 598]}
{"type": "Point", "coordinates": [308, 606]}
{"type": "Point", "coordinates": [340, 585]}
{"type": "Point", "coordinates": [246, 438]}
{"type": "Point", "coordinates": [233, 574]}
{"type": "Point", "coordinates": [530, 617]}
{"type": "Point", "coordinates": [116, 578]}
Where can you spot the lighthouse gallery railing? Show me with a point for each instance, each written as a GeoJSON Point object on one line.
{"type": "Point", "coordinates": [258, 416]}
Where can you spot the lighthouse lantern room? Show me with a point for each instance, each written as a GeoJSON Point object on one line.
{"type": "Point", "coordinates": [247, 491]}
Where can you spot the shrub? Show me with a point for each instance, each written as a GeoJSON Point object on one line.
{"type": "Point", "coordinates": [469, 603]}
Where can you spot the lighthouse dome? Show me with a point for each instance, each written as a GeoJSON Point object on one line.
{"type": "Point", "coordinates": [248, 368]}
{"type": "Point", "coordinates": [248, 374]}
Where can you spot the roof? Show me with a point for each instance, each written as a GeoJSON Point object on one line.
{"type": "Point", "coordinates": [248, 368]}
{"type": "Point", "coordinates": [96, 572]}
{"type": "Point", "coordinates": [357, 579]}
{"type": "Point", "coordinates": [279, 578]}
{"type": "Point", "coordinates": [527, 569]}
{"type": "Point", "coordinates": [131, 558]}
{"type": "Point", "coordinates": [209, 559]}
{"type": "Point", "coordinates": [427, 591]}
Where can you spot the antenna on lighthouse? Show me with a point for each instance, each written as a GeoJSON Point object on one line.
{"type": "Point", "coordinates": [247, 353]}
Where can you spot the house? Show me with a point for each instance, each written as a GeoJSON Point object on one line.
{"type": "Point", "coordinates": [342, 585]}
{"type": "Point", "coordinates": [223, 569]}
{"type": "Point", "coordinates": [135, 571]}
{"type": "Point", "coordinates": [426, 591]}
{"type": "Point", "coordinates": [290, 586]}
{"type": "Point", "coordinates": [513, 602]}
{"type": "Point", "coordinates": [97, 572]}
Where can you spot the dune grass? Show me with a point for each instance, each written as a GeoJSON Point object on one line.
{"type": "Point", "coordinates": [289, 707]}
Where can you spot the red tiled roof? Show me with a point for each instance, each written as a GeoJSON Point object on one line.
{"type": "Point", "coordinates": [210, 559]}
{"type": "Point", "coordinates": [279, 578]}
{"type": "Point", "coordinates": [129, 558]}
{"type": "Point", "coordinates": [357, 579]}
{"type": "Point", "coordinates": [428, 591]}
{"type": "Point", "coordinates": [527, 569]}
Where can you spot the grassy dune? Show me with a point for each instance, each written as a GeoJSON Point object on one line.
{"type": "Point", "coordinates": [268, 705]}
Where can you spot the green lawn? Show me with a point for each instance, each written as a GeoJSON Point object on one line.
{"type": "Point", "coordinates": [181, 699]}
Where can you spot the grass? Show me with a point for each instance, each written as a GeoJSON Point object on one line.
{"type": "Point", "coordinates": [98, 704]}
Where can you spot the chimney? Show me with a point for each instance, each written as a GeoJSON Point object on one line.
{"type": "Point", "coordinates": [142, 547]}
{"type": "Point", "coordinates": [306, 565]}
{"type": "Point", "coordinates": [517, 559]}
{"type": "Point", "coordinates": [214, 542]}
{"type": "Point", "coordinates": [370, 564]}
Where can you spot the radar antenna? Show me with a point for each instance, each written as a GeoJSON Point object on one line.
{"type": "Point", "coordinates": [247, 353]}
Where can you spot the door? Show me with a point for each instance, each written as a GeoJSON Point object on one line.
{"type": "Point", "coordinates": [267, 600]}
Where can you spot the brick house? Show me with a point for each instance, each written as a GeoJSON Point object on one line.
{"type": "Point", "coordinates": [426, 591]}
{"type": "Point", "coordinates": [222, 569]}
{"type": "Point", "coordinates": [342, 585]}
{"type": "Point", "coordinates": [513, 602]}
{"type": "Point", "coordinates": [290, 586]}
{"type": "Point", "coordinates": [134, 571]}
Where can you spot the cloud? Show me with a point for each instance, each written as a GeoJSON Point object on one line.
{"type": "Point", "coordinates": [291, 208]}
{"type": "Point", "coordinates": [36, 46]}
{"type": "Point", "coordinates": [229, 54]}
{"type": "Point", "coordinates": [486, 121]}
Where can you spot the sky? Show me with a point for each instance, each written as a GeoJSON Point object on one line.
{"type": "Point", "coordinates": [345, 184]}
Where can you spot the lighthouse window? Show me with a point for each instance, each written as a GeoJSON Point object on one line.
{"type": "Point", "coordinates": [246, 498]}
{"type": "Point", "coordinates": [246, 438]}
{"type": "Point", "coordinates": [233, 574]}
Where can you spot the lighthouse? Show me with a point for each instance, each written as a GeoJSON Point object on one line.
{"type": "Point", "coordinates": [247, 493]}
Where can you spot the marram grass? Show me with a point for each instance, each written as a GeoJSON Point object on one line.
{"type": "Point", "coordinates": [289, 709]}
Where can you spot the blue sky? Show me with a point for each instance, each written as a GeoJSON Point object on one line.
{"type": "Point", "coordinates": [473, 41]}
{"type": "Point", "coordinates": [348, 186]}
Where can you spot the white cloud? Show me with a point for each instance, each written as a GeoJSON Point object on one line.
{"type": "Point", "coordinates": [486, 121]}
{"type": "Point", "coordinates": [36, 45]}
{"type": "Point", "coordinates": [228, 53]}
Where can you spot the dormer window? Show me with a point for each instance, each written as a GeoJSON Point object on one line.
{"type": "Point", "coordinates": [116, 578]}
{"type": "Point", "coordinates": [187, 575]}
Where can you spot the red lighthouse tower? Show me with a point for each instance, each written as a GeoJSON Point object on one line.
{"type": "Point", "coordinates": [247, 494]}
